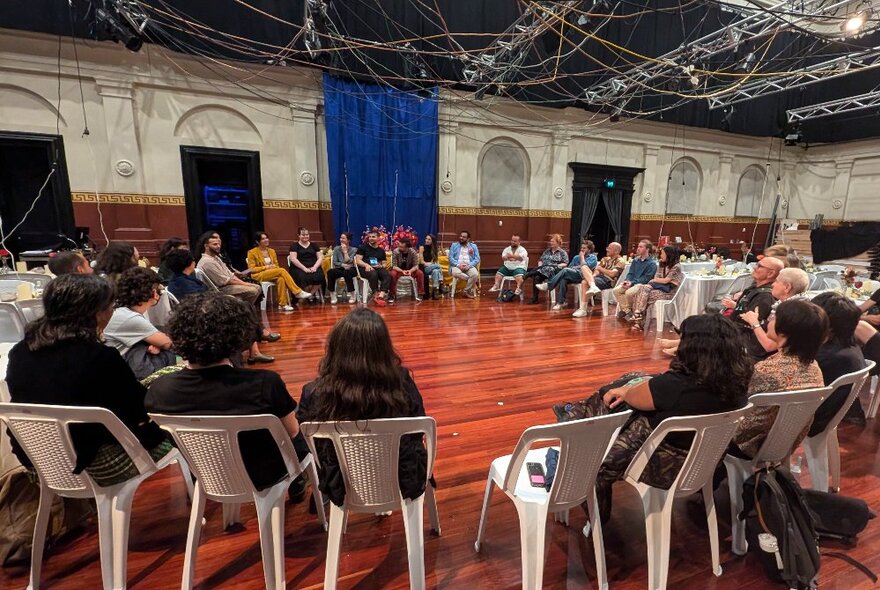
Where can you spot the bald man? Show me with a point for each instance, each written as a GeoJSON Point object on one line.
{"type": "Point", "coordinates": [604, 276]}
{"type": "Point", "coordinates": [758, 296]}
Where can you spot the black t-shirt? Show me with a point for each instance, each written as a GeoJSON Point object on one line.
{"type": "Point", "coordinates": [223, 391]}
{"type": "Point", "coordinates": [751, 298]}
{"type": "Point", "coordinates": [307, 255]}
{"type": "Point", "coordinates": [675, 394]}
{"type": "Point", "coordinates": [81, 373]}
{"type": "Point", "coordinates": [835, 361]}
{"type": "Point", "coordinates": [372, 256]}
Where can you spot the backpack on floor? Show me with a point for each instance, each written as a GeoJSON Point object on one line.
{"type": "Point", "coordinates": [506, 296]}
{"type": "Point", "coordinates": [838, 518]}
{"type": "Point", "coordinates": [780, 528]}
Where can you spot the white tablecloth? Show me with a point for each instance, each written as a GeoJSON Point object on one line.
{"type": "Point", "coordinates": [696, 291]}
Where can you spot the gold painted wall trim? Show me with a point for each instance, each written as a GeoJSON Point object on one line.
{"type": "Point", "coordinates": [559, 214]}
{"type": "Point", "coordinates": [178, 201]}
{"type": "Point", "coordinates": [694, 218]}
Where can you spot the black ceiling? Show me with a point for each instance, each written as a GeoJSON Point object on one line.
{"type": "Point", "coordinates": [237, 29]}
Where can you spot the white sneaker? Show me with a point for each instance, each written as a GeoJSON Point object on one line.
{"type": "Point", "coordinates": [352, 299]}
{"type": "Point", "coordinates": [558, 306]}
{"type": "Point", "coordinates": [333, 298]}
{"type": "Point", "coordinates": [494, 289]}
{"type": "Point", "coordinates": [593, 290]}
{"type": "Point", "coordinates": [579, 313]}
{"type": "Point", "coordinates": [286, 307]}
{"type": "Point", "coordinates": [303, 295]}
{"type": "Point", "coordinates": [541, 286]}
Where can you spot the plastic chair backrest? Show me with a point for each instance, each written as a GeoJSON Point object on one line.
{"type": "Point", "coordinates": [43, 432]}
{"type": "Point", "coordinates": [210, 446]}
{"type": "Point", "coordinates": [11, 285]}
{"type": "Point", "coordinates": [583, 445]}
{"type": "Point", "coordinates": [172, 300]}
{"type": "Point", "coordinates": [205, 280]}
{"type": "Point", "coordinates": [796, 411]}
{"type": "Point", "coordinates": [856, 380]}
{"type": "Point", "coordinates": [30, 309]}
{"type": "Point", "coordinates": [712, 435]}
{"type": "Point", "coordinates": [368, 452]}
{"type": "Point", "coordinates": [11, 323]}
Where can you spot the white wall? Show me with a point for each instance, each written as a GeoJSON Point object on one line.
{"type": "Point", "coordinates": [142, 107]}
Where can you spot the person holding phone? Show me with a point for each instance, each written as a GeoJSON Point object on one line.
{"type": "Point", "coordinates": [371, 259]}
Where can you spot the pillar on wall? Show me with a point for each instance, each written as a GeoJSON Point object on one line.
{"type": "Point", "coordinates": [840, 189]}
{"type": "Point", "coordinates": [646, 198]}
{"type": "Point", "coordinates": [724, 163]}
{"type": "Point", "coordinates": [448, 150]}
{"type": "Point", "coordinates": [304, 160]}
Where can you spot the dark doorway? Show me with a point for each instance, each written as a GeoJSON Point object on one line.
{"type": "Point", "coordinates": [223, 193]}
{"type": "Point", "coordinates": [608, 205]}
{"type": "Point", "coordinates": [26, 159]}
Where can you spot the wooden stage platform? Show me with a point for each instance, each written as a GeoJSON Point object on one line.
{"type": "Point", "coordinates": [487, 371]}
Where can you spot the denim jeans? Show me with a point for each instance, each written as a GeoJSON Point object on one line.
{"type": "Point", "coordinates": [433, 274]}
{"type": "Point", "coordinates": [563, 278]}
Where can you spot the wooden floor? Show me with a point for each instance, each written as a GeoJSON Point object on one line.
{"type": "Point", "coordinates": [486, 371]}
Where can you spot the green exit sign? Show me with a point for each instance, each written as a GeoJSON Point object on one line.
{"type": "Point", "coordinates": [609, 183]}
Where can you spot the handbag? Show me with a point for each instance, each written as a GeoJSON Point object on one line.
{"type": "Point", "coordinates": [665, 287]}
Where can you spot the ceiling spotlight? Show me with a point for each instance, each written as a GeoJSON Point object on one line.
{"type": "Point", "coordinates": [117, 31]}
{"type": "Point", "coordinates": [854, 23]}
{"type": "Point", "coordinates": [583, 20]}
{"type": "Point", "coordinates": [793, 138]}
{"type": "Point", "coordinates": [727, 119]}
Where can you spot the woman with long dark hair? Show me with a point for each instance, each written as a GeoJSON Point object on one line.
{"type": "Point", "coordinates": [342, 265]}
{"type": "Point", "coordinates": [429, 260]}
{"type": "Point", "coordinates": [709, 374]}
{"type": "Point", "coordinates": [115, 259]}
{"type": "Point", "coordinates": [666, 281]}
{"type": "Point", "coordinates": [361, 378]}
{"type": "Point", "coordinates": [61, 361]}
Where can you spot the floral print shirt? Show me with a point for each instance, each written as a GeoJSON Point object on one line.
{"type": "Point", "coordinates": [551, 260]}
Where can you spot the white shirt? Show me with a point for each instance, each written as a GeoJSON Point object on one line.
{"type": "Point", "coordinates": [464, 257]}
{"type": "Point", "coordinates": [514, 264]}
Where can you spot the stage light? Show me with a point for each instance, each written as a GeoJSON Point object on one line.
{"type": "Point", "coordinates": [118, 32]}
{"type": "Point", "coordinates": [793, 138]}
{"type": "Point", "coordinates": [747, 62]}
{"type": "Point", "coordinates": [727, 119]}
{"type": "Point", "coordinates": [854, 23]}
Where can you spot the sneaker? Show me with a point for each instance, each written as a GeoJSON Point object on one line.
{"type": "Point", "coordinates": [558, 306]}
{"type": "Point", "coordinates": [303, 295]}
{"type": "Point", "coordinates": [593, 290]}
{"type": "Point", "coordinates": [333, 298]}
{"type": "Point", "coordinates": [580, 313]}
{"type": "Point", "coordinates": [541, 286]}
{"type": "Point", "coordinates": [352, 298]}
{"type": "Point", "coordinates": [469, 293]}
{"type": "Point", "coordinates": [494, 289]}
{"type": "Point", "coordinates": [518, 292]}
{"type": "Point", "coordinates": [380, 302]}
{"type": "Point", "coordinates": [286, 307]}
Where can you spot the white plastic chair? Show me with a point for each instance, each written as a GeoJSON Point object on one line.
{"type": "Point", "coordinates": [513, 280]}
{"type": "Point", "coordinates": [30, 309]}
{"type": "Point", "coordinates": [159, 313]}
{"type": "Point", "coordinates": [414, 286]}
{"type": "Point", "coordinates": [267, 286]}
{"type": "Point", "coordinates": [873, 398]}
{"type": "Point", "coordinates": [712, 434]}
{"type": "Point", "coordinates": [822, 450]}
{"type": "Point", "coordinates": [583, 445]}
{"type": "Point", "coordinates": [577, 295]}
{"type": "Point", "coordinates": [833, 284]}
{"type": "Point", "coordinates": [11, 323]}
{"type": "Point", "coordinates": [368, 454]}
{"type": "Point", "coordinates": [660, 307]}
{"type": "Point", "coordinates": [210, 444]}
{"type": "Point", "coordinates": [172, 300]}
{"type": "Point", "coordinates": [796, 410]}
{"type": "Point", "coordinates": [363, 285]}
{"type": "Point", "coordinates": [205, 280]}
{"type": "Point", "coordinates": [43, 433]}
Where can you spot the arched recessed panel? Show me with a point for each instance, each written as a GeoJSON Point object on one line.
{"type": "Point", "coordinates": [216, 125]}
{"type": "Point", "coordinates": [684, 187]}
{"type": "Point", "coordinates": [23, 107]}
{"type": "Point", "coordinates": [504, 175]}
{"type": "Point", "coordinates": [751, 197]}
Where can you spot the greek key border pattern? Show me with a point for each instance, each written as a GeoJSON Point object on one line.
{"type": "Point", "coordinates": [695, 218]}
{"type": "Point", "coordinates": [297, 205]}
{"type": "Point", "coordinates": [127, 199]}
{"type": "Point", "coordinates": [558, 214]}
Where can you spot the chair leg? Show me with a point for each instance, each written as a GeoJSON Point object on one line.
{"type": "Point", "coordinates": [712, 521]}
{"type": "Point", "coordinates": [532, 531]}
{"type": "Point", "coordinates": [187, 477]}
{"type": "Point", "coordinates": [816, 450]}
{"type": "Point", "coordinates": [433, 515]}
{"type": "Point", "coordinates": [413, 515]}
{"type": "Point", "coordinates": [736, 477]}
{"type": "Point", "coordinates": [122, 502]}
{"type": "Point", "coordinates": [873, 397]}
{"type": "Point", "coordinates": [231, 515]}
{"type": "Point", "coordinates": [270, 518]}
{"type": "Point", "coordinates": [833, 454]}
{"type": "Point", "coordinates": [316, 494]}
{"type": "Point", "coordinates": [598, 542]}
{"type": "Point", "coordinates": [658, 520]}
{"type": "Point", "coordinates": [104, 505]}
{"type": "Point", "coordinates": [485, 512]}
{"type": "Point", "coordinates": [193, 535]}
{"type": "Point", "coordinates": [334, 544]}
{"type": "Point", "coordinates": [41, 522]}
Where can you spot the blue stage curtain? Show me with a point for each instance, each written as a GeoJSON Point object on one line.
{"type": "Point", "coordinates": [382, 156]}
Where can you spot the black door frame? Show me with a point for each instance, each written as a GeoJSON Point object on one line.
{"type": "Point", "coordinates": [60, 181]}
{"type": "Point", "coordinates": [195, 209]}
{"type": "Point", "coordinates": [594, 176]}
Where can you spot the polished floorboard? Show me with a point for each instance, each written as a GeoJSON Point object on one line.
{"type": "Point", "coordinates": [486, 371]}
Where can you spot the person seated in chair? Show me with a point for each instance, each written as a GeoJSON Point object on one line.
{"type": "Point", "coordinates": [799, 330]}
{"type": "Point", "coordinates": [464, 258]}
{"type": "Point", "coordinates": [306, 263]}
{"type": "Point", "coordinates": [141, 344]}
{"type": "Point", "coordinates": [405, 263]}
{"type": "Point", "coordinates": [342, 267]}
{"type": "Point", "coordinates": [363, 382]}
{"type": "Point", "coordinates": [790, 283]}
{"type": "Point", "coordinates": [758, 296]}
{"type": "Point", "coordinates": [571, 274]}
{"type": "Point", "coordinates": [69, 262]}
{"type": "Point", "coordinates": [170, 245]}
{"type": "Point", "coordinates": [183, 281]}
{"type": "Point", "coordinates": [838, 356]}
{"type": "Point", "coordinates": [372, 260]}
{"type": "Point", "coordinates": [263, 262]}
{"type": "Point", "coordinates": [603, 277]}
{"type": "Point", "coordinates": [116, 258]}
{"type": "Point", "coordinates": [662, 287]}
{"type": "Point", "coordinates": [641, 270]}
{"type": "Point", "coordinates": [514, 260]}
{"type": "Point", "coordinates": [62, 361]}
{"type": "Point", "coordinates": [208, 330]}
{"type": "Point", "coordinates": [552, 260]}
